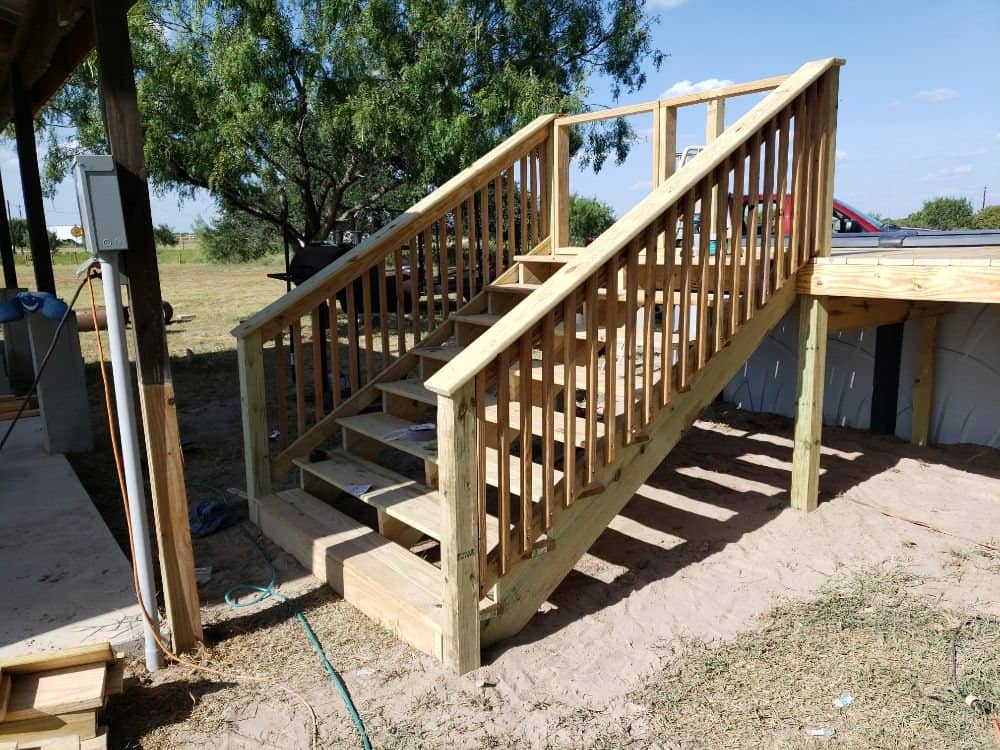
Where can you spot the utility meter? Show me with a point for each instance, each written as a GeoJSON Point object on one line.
{"type": "Point", "coordinates": [100, 203]}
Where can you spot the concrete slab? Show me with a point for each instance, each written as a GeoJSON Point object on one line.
{"type": "Point", "coordinates": [63, 578]}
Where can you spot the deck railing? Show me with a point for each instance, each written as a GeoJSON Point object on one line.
{"type": "Point", "coordinates": [628, 324]}
{"type": "Point", "coordinates": [352, 322]}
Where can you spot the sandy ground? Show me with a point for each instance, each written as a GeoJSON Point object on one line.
{"type": "Point", "coordinates": [698, 554]}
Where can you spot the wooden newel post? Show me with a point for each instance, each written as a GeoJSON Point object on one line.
{"type": "Point", "coordinates": [253, 406]}
{"type": "Point", "coordinates": [457, 482]}
{"type": "Point", "coordinates": [559, 223]}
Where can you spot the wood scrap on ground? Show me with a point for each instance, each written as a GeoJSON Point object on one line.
{"type": "Point", "coordinates": [50, 700]}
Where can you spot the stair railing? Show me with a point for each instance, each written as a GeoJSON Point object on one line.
{"type": "Point", "coordinates": [602, 347]}
{"type": "Point", "coordinates": [357, 319]}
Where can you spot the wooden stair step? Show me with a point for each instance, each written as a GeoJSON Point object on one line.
{"type": "Point", "coordinates": [485, 320]}
{"type": "Point", "coordinates": [403, 498]}
{"type": "Point", "coordinates": [394, 432]}
{"type": "Point", "coordinates": [388, 583]}
{"type": "Point", "coordinates": [493, 474]}
{"type": "Point", "coordinates": [444, 353]}
{"type": "Point", "coordinates": [412, 389]}
{"type": "Point", "coordinates": [559, 259]}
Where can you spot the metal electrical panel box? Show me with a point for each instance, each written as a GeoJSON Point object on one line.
{"type": "Point", "coordinates": [100, 203]}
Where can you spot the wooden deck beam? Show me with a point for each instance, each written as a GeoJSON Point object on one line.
{"type": "Point", "coordinates": [924, 283]}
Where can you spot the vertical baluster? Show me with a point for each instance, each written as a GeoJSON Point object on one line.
{"type": "Point", "coordinates": [481, 464]}
{"type": "Point", "coordinates": [737, 213]}
{"type": "Point", "coordinates": [569, 399]}
{"type": "Point", "coordinates": [439, 240]}
{"type": "Point", "coordinates": [823, 139]}
{"type": "Point", "coordinates": [366, 307]}
{"type": "Point", "coordinates": [719, 214]}
{"type": "Point", "coordinates": [798, 185]}
{"type": "Point", "coordinates": [397, 262]}
{"type": "Point", "coordinates": [667, 330]}
{"type": "Point", "coordinates": [524, 365]}
{"type": "Point", "coordinates": [548, 418]}
{"type": "Point", "coordinates": [281, 383]}
{"type": "Point", "coordinates": [704, 239]}
{"type": "Point", "coordinates": [383, 312]}
{"type": "Point", "coordinates": [611, 359]}
{"type": "Point", "coordinates": [753, 238]}
{"type": "Point", "coordinates": [534, 235]}
{"type": "Point", "coordinates": [687, 257]}
{"type": "Point", "coordinates": [500, 250]}
{"type": "Point", "coordinates": [649, 320]}
{"type": "Point", "coordinates": [523, 190]}
{"type": "Point", "coordinates": [459, 257]}
{"type": "Point", "coordinates": [485, 262]}
{"type": "Point", "coordinates": [769, 200]}
{"type": "Point", "coordinates": [335, 371]}
{"type": "Point", "coordinates": [592, 395]}
{"type": "Point", "coordinates": [300, 379]}
{"type": "Point", "coordinates": [631, 311]}
{"type": "Point", "coordinates": [780, 255]}
{"type": "Point", "coordinates": [511, 219]}
{"type": "Point", "coordinates": [809, 196]}
{"type": "Point", "coordinates": [544, 213]}
{"type": "Point", "coordinates": [415, 266]}
{"type": "Point", "coordinates": [318, 365]}
{"type": "Point", "coordinates": [353, 350]}
{"type": "Point", "coordinates": [427, 255]}
{"type": "Point", "coordinates": [503, 458]}
{"type": "Point", "coordinates": [470, 212]}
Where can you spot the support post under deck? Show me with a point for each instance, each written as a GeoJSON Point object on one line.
{"type": "Point", "coordinates": [813, 325]}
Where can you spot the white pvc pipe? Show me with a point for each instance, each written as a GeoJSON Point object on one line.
{"type": "Point", "coordinates": [125, 407]}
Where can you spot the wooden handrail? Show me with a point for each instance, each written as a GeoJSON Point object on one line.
{"type": "Point", "coordinates": [341, 272]}
{"type": "Point", "coordinates": [685, 100]}
{"type": "Point", "coordinates": [451, 378]}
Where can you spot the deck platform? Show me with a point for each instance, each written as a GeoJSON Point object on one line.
{"type": "Point", "coordinates": [919, 273]}
{"type": "Point", "coordinates": [65, 581]}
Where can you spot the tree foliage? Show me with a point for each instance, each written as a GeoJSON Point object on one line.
{"type": "Point", "coordinates": [942, 213]}
{"type": "Point", "coordinates": [164, 236]}
{"type": "Point", "coordinates": [237, 237]}
{"type": "Point", "coordinates": [988, 218]}
{"type": "Point", "coordinates": [588, 217]}
{"type": "Point", "coordinates": [300, 113]}
{"type": "Point", "coordinates": [19, 231]}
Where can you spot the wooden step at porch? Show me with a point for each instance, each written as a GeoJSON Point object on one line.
{"type": "Point", "coordinates": [484, 320]}
{"type": "Point", "coordinates": [443, 353]}
{"type": "Point", "coordinates": [395, 432]}
{"type": "Point", "coordinates": [412, 389]}
{"type": "Point", "coordinates": [537, 424]}
{"type": "Point", "coordinates": [394, 587]}
{"type": "Point", "coordinates": [402, 498]}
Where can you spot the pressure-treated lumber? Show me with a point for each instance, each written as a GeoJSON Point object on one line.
{"type": "Point", "coordinates": [484, 350]}
{"type": "Point", "coordinates": [560, 187]}
{"type": "Point", "coordinates": [59, 659]}
{"type": "Point", "coordinates": [530, 582]}
{"type": "Point", "coordinates": [925, 283]}
{"type": "Point", "coordinates": [809, 402]}
{"type": "Point", "coordinates": [852, 313]}
{"type": "Point", "coordinates": [923, 382]}
{"type": "Point", "coordinates": [79, 723]}
{"type": "Point", "coordinates": [253, 408]}
{"type": "Point", "coordinates": [56, 691]}
{"type": "Point", "coordinates": [457, 481]}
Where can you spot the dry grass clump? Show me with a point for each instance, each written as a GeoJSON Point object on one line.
{"type": "Point", "coordinates": [873, 635]}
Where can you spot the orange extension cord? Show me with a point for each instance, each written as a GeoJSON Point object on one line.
{"type": "Point", "coordinates": [115, 447]}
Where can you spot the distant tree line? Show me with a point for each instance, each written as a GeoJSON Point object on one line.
{"type": "Point", "coordinates": [950, 213]}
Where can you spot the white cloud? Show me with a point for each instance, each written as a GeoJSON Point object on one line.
{"type": "Point", "coordinates": [667, 3]}
{"type": "Point", "coordinates": [640, 186]}
{"type": "Point", "coordinates": [688, 87]}
{"type": "Point", "coordinates": [947, 172]}
{"type": "Point", "coordinates": [937, 95]}
{"type": "Point", "coordinates": [841, 154]}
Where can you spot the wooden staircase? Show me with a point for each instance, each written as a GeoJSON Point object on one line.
{"type": "Point", "coordinates": [487, 398]}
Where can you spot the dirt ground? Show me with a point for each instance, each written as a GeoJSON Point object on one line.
{"type": "Point", "coordinates": [706, 560]}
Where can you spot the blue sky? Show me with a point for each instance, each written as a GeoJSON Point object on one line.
{"type": "Point", "coordinates": [919, 97]}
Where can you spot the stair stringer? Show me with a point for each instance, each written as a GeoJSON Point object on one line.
{"type": "Point", "coordinates": [529, 583]}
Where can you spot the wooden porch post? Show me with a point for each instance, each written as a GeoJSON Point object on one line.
{"type": "Point", "coordinates": [457, 482]}
{"type": "Point", "coordinates": [31, 184]}
{"type": "Point", "coordinates": [6, 245]}
{"type": "Point", "coordinates": [253, 406]}
{"type": "Point", "coordinates": [156, 388]}
{"type": "Point", "coordinates": [559, 223]}
{"type": "Point", "coordinates": [813, 314]}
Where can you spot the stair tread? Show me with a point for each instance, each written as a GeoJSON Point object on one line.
{"type": "Point", "coordinates": [393, 431]}
{"type": "Point", "coordinates": [480, 319]}
{"type": "Point", "coordinates": [560, 259]}
{"type": "Point", "coordinates": [408, 579]}
{"type": "Point", "coordinates": [443, 353]}
{"type": "Point", "coordinates": [403, 498]}
{"type": "Point", "coordinates": [412, 389]}
{"type": "Point", "coordinates": [537, 416]}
